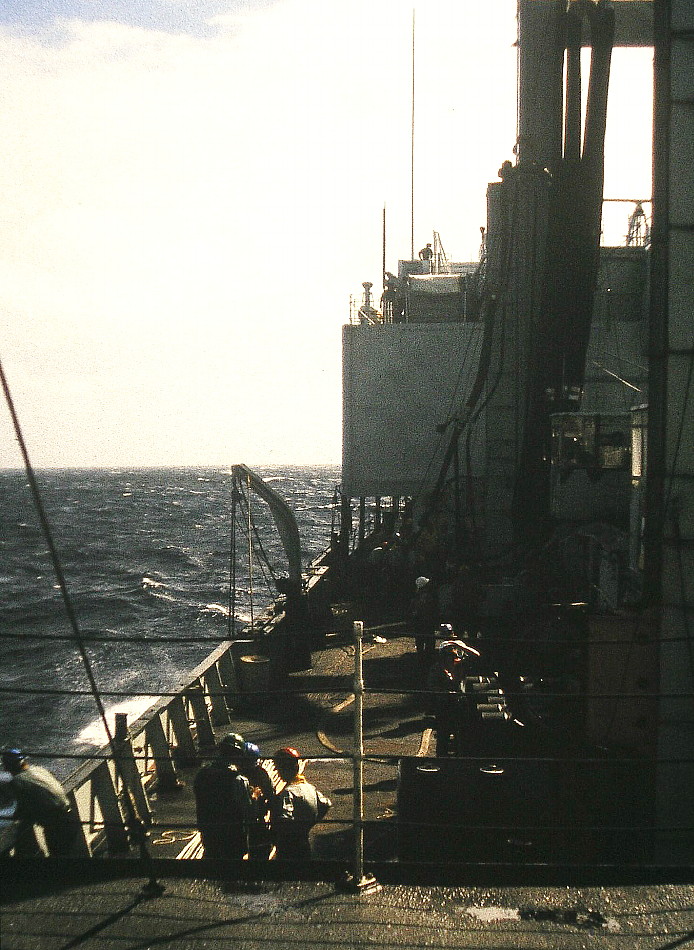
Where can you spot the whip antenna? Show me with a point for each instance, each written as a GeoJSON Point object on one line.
{"type": "Point", "coordinates": [412, 155]}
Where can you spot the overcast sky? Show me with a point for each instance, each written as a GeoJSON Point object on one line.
{"type": "Point", "coordinates": [191, 191]}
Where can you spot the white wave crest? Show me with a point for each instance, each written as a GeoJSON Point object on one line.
{"type": "Point", "coordinates": [150, 583]}
{"type": "Point", "coordinates": [95, 733]}
{"type": "Point", "coordinates": [156, 589]}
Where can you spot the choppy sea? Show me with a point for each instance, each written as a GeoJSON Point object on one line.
{"type": "Point", "coordinates": [146, 558]}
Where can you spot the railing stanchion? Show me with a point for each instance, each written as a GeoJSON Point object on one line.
{"type": "Point", "coordinates": [357, 881]}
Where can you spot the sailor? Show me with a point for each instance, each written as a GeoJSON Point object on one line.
{"type": "Point", "coordinates": [223, 802]}
{"type": "Point", "coordinates": [375, 565]}
{"type": "Point", "coordinates": [446, 693]}
{"type": "Point", "coordinates": [41, 801]}
{"type": "Point", "coordinates": [262, 793]}
{"type": "Point", "coordinates": [425, 615]}
{"type": "Point", "coordinates": [426, 253]}
{"type": "Point", "coordinates": [296, 809]}
{"type": "Point", "coordinates": [392, 298]}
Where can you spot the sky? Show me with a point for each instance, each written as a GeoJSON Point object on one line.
{"type": "Point", "coordinates": [192, 190]}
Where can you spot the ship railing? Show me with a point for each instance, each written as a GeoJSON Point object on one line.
{"type": "Point", "coordinates": [179, 730]}
{"type": "Point", "coordinates": [433, 833]}
{"type": "Point", "coordinates": [361, 315]}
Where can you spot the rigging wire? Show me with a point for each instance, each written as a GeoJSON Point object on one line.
{"type": "Point", "coordinates": [104, 638]}
{"type": "Point", "coordinates": [544, 694]}
{"type": "Point", "coordinates": [672, 506]}
{"type": "Point", "coordinates": [475, 404]}
{"type": "Point", "coordinates": [250, 550]}
{"type": "Point", "coordinates": [450, 416]}
{"type": "Point", "coordinates": [232, 565]}
{"type": "Point", "coordinates": [263, 560]}
{"type": "Point", "coordinates": [243, 520]}
{"type": "Point", "coordinates": [136, 823]}
{"type": "Point", "coordinates": [336, 755]}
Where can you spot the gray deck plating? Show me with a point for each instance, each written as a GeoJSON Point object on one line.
{"type": "Point", "coordinates": [195, 913]}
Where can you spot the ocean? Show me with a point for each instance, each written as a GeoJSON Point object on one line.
{"type": "Point", "coordinates": [146, 558]}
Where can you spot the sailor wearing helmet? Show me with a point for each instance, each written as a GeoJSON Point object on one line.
{"type": "Point", "coordinates": [262, 793]}
{"type": "Point", "coordinates": [446, 691]}
{"type": "Point", "coordinates": [296, 809]}
{"type": "Point", "coordinates": [223, 802]}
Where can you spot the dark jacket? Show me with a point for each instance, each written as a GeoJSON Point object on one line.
{"type": "Point", "coordinates": [424, 610]}
{"type": "Point", "coordinates": [262, 794]}
{"type": "Point", "coordinates": [42, 801]}
{"type": "Point", "coordinates": [224, 810]}
{"type": "Point", "coordinates": [444, 689]}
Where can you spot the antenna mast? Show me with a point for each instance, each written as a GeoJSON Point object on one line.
{"type": "Point", "coordinates": [412, 155]}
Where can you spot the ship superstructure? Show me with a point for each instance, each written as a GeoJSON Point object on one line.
{"type": "Point", "coordinates": [542, 481]}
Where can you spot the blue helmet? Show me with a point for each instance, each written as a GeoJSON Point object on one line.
{"type": "Point", "coordinates": [12, 760]}
{"type": "Point", "coordinates": [251, 751]}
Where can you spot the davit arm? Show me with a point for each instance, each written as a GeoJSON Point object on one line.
{"type": "Point", "coordinates": [283, 517]}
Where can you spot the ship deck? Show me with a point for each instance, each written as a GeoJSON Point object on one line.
{"type": "Point", "coordinates": [480, 902]}
{"type": "Point", "coordinates": [314, 714]}
{"type": "Point", "coordinates": [196, 912]}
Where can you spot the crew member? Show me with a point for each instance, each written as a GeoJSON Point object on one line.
{"type": "Point", "coordinates": [425, 615]}
{"type": "Point", "coordinates": [296, 809]}
{"type": "Point", "coordinates": [392, 298]}
{"type": "Point", "coordinates": [446, 694]}
{"type": "Point", "coordinates": [262, 793]}
{"type": "Point", "coordinates": [42, 801]}
{"type": "Point", "coordinates": [426, 254]}
{"type": "Point", "coordinates": [223, 803]}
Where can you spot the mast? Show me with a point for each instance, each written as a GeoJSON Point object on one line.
{"type": "Point", "coordinates": [412, 154]}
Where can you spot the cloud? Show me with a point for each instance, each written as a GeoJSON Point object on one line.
{"type": "Point", "coordinates": [51, 21]}
{"type": "Point", "coordinates": [184, 212]}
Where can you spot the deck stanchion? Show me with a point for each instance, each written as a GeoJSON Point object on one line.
{"type": "Point", "coordinates": [129, 771]}
{"type": "Point", "coordinates": [115, 826]}
{"type": "Point", "coordinates": [195, 694]}
{"type": "Point", "coordinates": [357, 881]}
{"type": "Point", "coordinates": [167, 780]}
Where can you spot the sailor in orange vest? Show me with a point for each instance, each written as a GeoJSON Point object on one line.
{"type": "Point", "coordinates": [296, 809]}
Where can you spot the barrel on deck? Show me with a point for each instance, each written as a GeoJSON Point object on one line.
{"type": "Point", "coordinates": [255, 673]}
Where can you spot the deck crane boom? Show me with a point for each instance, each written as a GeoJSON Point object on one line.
{"type": "Point", "coordinates": [283, 517]}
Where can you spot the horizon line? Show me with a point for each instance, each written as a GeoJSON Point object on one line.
{"type": "Point", "coordinates": [155, 466]}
